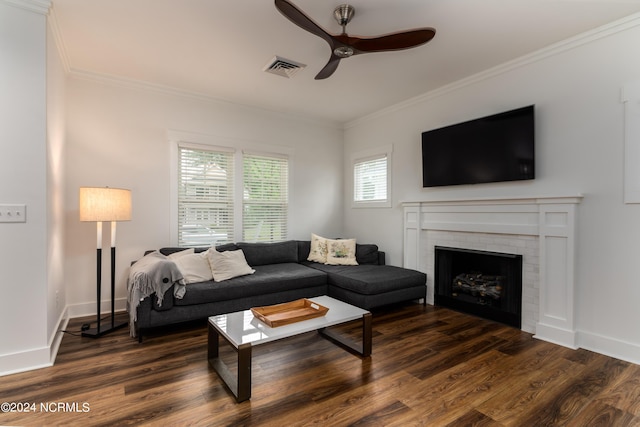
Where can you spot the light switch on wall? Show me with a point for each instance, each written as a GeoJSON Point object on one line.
{"type": "Point", "coordinates": [13, 213]}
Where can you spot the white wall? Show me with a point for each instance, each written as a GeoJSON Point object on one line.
{"type": "Point", "coordinates": [579, 150]}
{"type": "Point", "coordinates": [117, 137]}
{"type": "Point", "coordinates": [56, 295]}
{"type": "Point", "coordinates": [23, 179]}
{"type": "Point", "coordinates": [55, 138]}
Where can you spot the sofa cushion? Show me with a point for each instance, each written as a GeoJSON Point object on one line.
{"type": "Point", "coordinates": [173, 249]}
{"type": "Point", "coordinates": [270, 278]}
{"type": "Point", "coordinates": [227, 247]}
{"type": "Point", "coordinates": [371, 279]}
{"type": "Point", "coordinates": [367, 253]}
{"type": "Point", "coordinates": [304, 246]}
{"type": "Point", "coordinates": [167, 301]}
{"type": "Point", "coordinates": [269, 253]}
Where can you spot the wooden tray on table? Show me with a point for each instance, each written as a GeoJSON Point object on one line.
{"type": "Point", "coordinates": [289, 312]}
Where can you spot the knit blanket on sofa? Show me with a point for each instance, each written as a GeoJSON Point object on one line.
{"type": "Point", "coordinates": [153, 273]}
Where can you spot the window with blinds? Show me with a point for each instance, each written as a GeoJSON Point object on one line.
{"type": "Point", "coordinates": [205, 197]}
{"type": "Point", "coordinates": [265, 198]}
{"type": "Point", "coordinates": [370, 179]}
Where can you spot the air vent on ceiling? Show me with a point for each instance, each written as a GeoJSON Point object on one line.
{"type": "Point", "coordinates": [283, 67]}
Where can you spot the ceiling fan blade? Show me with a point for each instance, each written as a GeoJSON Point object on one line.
{"type": "Point", "coordinates": [342, 45]}
{"type": "Point", "coordinates": [395, 41]}
{"type": "Point", "coordinates": [330, 68]}
{"type": "Point", "coordinates": [296, 16]}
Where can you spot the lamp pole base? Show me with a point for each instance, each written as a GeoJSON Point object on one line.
{"type": "Point", "coordinates": [94, 333]}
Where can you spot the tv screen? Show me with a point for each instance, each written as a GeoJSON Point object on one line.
{"type": "Point", "coordinates": [495, 148]}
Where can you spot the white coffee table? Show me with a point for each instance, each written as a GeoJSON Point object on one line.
{"type": "Point", "coordinates": [243, 331]}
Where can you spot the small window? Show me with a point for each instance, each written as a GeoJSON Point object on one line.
{"type": "Point", "coordinates": [371, 178]}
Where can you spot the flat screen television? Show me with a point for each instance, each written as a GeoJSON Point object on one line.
{"type": "Point", "coordinates": [495, 148]}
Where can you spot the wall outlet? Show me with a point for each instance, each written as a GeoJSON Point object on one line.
{"type": "Point", "coordinates": [13, 213]}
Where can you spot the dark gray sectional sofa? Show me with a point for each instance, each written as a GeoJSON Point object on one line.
{"type": "Point", "coordinates": [282, 273]}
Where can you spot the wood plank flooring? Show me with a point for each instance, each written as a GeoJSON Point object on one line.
{"type": "Point", "coordinates": [430, 367]}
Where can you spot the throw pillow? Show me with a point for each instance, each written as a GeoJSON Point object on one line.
{"type": "Point", "coordinates": [174, 255]}
{"type": "Point", "coordinates": [193, 266]}
{"type": "Point", "coordinates": [341, 252]}
{"type": "Point", "coordinates": [318, 252]}
{"type": "Point", "coordinates": [228, 264]}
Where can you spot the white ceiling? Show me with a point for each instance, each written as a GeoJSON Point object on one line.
{"type": "Point", "coordinates": [218, 48]}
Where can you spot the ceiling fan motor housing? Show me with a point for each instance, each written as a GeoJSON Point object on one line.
{"type": "Point", "coordinates": [343, 14]}
{"type": "Point", "coordinates": [343, 51]}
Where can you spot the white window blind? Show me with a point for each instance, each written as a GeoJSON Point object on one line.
{"type": "Point", "coordinates": [370, 179]}
{"type": "Point", "coordinates": [265, 198]}
{"type": "Point", "coordinates": [205, 197]}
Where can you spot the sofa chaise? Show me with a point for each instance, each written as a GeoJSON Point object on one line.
{"type": "Point", "coordinates": [282, 273]}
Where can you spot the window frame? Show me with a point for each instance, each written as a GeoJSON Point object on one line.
{"type": "Point", "coordinates": [238, 147]}
{"type": "Point", "coordinates": [283, 202]}
{"type": "Point", "coordinates": [371, 155]}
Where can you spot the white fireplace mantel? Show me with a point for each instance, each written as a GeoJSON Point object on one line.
{"type": "Point", "coordinates": [552, 220]}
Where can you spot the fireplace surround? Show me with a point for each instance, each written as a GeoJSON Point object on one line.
{"type": "Point", "coordinates": [541, 229]}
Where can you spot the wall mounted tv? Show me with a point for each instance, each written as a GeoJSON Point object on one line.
{"type": "Point", "coordinates": [495, 148]}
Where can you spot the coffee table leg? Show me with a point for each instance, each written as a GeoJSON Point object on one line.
{"type": "Point", "coordinates": [367, 340]}
{"type": "Point", "coordinates": [363, 350]}
{"type": "Point", "coordinates": [239, 385]}
{"type": "Point", "coordinates": [212, 345]}
{"type": "Point", "coordinates": [244, 373]}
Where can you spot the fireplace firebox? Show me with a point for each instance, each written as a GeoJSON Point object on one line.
{"type": "Point", "coordinates": [485, 284]}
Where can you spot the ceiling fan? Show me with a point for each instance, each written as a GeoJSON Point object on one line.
{"type": "Point", "coordinates": [343, 45]}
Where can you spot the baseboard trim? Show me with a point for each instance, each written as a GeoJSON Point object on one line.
{"type": "Point", "coordinates": [56, 338]}
{"type": "Point", "coordinates": [619, 349]}
{"type": "Point", "coordinates": [89, 308]}
{"type": "Point", "coordinates": [623, 350]}
{"type": "Point", "coordinates": [23, 361]}
{"type": "Point", "coordinates": [37, 358]}
{"type": "Point", "coordinates": [556, 335]}
{"type": "Point", "coordinates": [45, 357]}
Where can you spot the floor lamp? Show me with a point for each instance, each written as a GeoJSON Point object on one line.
{"type": "Point", "coordinates": [98, 204]}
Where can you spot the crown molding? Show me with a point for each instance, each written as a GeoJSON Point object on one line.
{"type": "Point", "coordinates": [145, 86]}
{"type": "Point", "coordinates": [38, 6]}
{"type": "Point", "coordinates": [601, 32]}
{"type": "Point", "coordinates": [58, 40]}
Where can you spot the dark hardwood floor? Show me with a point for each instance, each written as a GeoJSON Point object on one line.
{"type": "Point", "coordinates": [430, 367]}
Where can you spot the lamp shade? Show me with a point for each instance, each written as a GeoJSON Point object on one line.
{"type": "Point", "coordinates": [105, 204]}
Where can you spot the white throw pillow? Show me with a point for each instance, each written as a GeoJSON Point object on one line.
{"type": "Point", "coordinates": [341, 252]}
{"type": "Point", "coordinates": [193, 266]}
{"type": "Point", "coordinates": [228, 264]}
{"type": "Point", "coordinates": [179, 254]}
{"type": "Point", "coordinates": [318, 252]}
